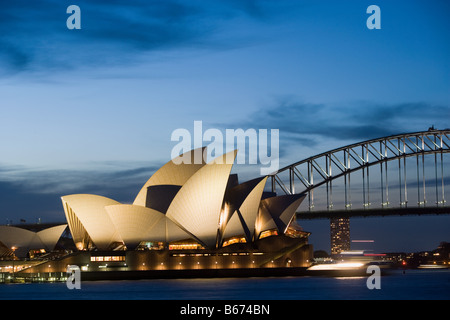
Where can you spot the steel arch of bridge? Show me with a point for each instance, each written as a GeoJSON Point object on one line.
{"type": "Point", "coordinates": [324, 168]}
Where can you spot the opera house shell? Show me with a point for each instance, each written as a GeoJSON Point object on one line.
{"type": "Point", "coordinates": [193, 204]}
{"type": "Point", "coordinates": [19, 241]}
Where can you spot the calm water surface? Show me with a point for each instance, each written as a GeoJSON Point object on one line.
{"type": "Point", "coordinates": [414, 284]}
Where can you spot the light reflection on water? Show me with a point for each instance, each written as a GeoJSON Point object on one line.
{"type": "Point", "coordinates": [415, 284]}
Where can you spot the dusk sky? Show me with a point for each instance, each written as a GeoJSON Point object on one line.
{"type": "Point", "coordinates": [93, 110]}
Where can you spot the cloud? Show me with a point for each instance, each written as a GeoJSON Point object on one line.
{"type": "Point", "coordinates": [354, 121]}
{"type": "Point", "coordinates": [16, 204]}
{"type": "Point", "coordinates": [101, 180]}
{"type": "Point", "coordinates": [34, 36]}
{"type": "Point", "coordinates": [28, 193]}
{"type": "Point", "coordinates": [307, 129]}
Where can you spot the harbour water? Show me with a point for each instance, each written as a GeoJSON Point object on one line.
{"type": "Point", "coordinates": [396, 285]}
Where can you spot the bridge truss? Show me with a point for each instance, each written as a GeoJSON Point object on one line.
{"type": "Point", "coordinates": [411, 166]}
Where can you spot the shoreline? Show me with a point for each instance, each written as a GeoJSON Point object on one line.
{"type": "Point", "coordinates": [185, 274]}
{"type": "Point", "coordinates": [117, 275]}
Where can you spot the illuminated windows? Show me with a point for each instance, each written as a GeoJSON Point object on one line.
{"type": "Point", "coordinates": [268, 233]}
{"type": "Point", "coordinates": [108, 258]}
{"type": "Point", "coordinates": [234, 240]}
{"type": "Point", "coordinates": [340, 235]}
{"type": "Point", "coordinates": [185, 245]}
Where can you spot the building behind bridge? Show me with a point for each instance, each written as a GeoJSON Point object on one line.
{"type": "Point", "coordinates": [339, 235]}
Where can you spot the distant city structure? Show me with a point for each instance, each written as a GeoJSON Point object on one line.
{"type": "Point", "coordinates": [196, 219]}
{"type": "Point", "coordinates": [340, 235]}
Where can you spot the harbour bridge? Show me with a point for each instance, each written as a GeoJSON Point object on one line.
{"type": "Point", "coordinates": [402, 174]}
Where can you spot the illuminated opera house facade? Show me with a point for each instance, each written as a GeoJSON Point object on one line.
{"type": "Point", "coordinates": [187, 216]}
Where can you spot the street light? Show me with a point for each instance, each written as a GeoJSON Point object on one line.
{"type": "Point", "coordinates": [13, 248]}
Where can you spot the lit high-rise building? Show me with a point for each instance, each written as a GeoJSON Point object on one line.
{"type": "Point", "coordinates": [340, 235]}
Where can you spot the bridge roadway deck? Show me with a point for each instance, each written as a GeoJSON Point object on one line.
{"type": "Point", "coordinates": [376, 212]}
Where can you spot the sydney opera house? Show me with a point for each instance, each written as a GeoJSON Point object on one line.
{"type": "Point", "coordinates": [189, 216]}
